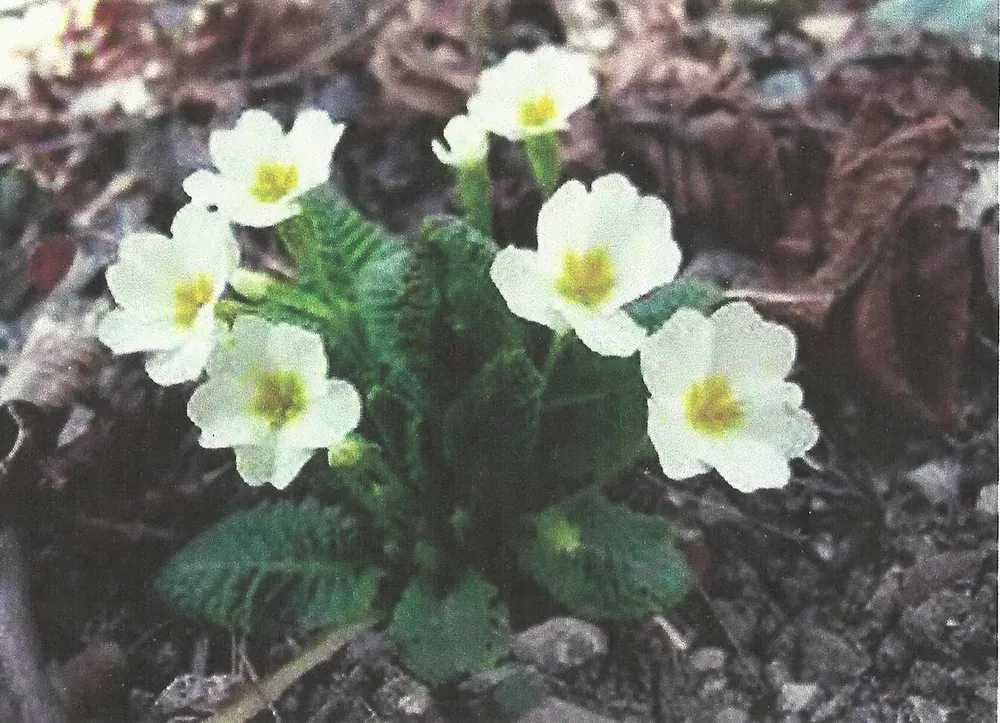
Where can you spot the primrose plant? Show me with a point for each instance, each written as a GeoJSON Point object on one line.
{"type": "Point", "coordinates": [472, 403]}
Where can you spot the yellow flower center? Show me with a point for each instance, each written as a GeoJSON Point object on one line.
{"type": "Point", "coordinates": [278, 398]}
{"type": "Point", "coordinates": [538, 111]}
{"type": "Point", "coordinates": [711, 407]}
{"type": "Point", "coordinates": [587, 279]}
{"type": "Point", "coordinates": [274, 181]}
{"type": "Point", "coordinates": [190, 297]}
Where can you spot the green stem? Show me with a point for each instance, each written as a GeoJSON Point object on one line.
{"type": "Point", "coordinates": [296, 235]}
{"type": "Point", "coordinates": [544, 155]}
{"type": "Point", "coordinates": [475, 191]}
{"type": "Point", "coordinates": [559, 342]}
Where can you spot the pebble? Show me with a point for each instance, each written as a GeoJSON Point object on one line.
{"type": "Point", "coordinates": [828, 655]}
{"type": "Point", "coordinates": [706, 660]}
{"type": "Point", "coordinates": [938, 479]}
{"type": "Point", "coordinates": [560, 644]}
{"type": "Point", "coordinates": [797, 697]}
{"type": "Point", "coordinates": [404, 700]}
{"type": "Point", "coordinates": [777, 674]}
{"type": "Point", "coordinates": [986, 504]}
{"type": "Point", "coordinates": [732, 715]}
{"type": "Point", "coordinates": [922, 710]}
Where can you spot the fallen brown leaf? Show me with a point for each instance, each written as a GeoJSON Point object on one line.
{"type": "Point", "coordinates": [427, 58]}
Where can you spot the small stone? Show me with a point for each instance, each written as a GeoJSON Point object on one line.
{"type": "Point", "coordinates": [732, 715]}
{"type": "Point", "coordinates": [798, 697]}
{"type": "Point", "coordinates": [828, 655]}
{"type": "Point", "coordinates": [715, 684]}
{"type": "Point", "coordinates": [938, 479]}
{"type": "Point", "coordinates": [560, 644]}
{"type": "Point", "coordinates": [929, 678]}
{"type": "Point", "coordinates": [893, 655]}
{"type": "Point", "coordinates": [777, 674]}
{"type": "Point", "coordinates": [933, 622]}
{"type": "Point", "coordinates": [553, 710]}
{"type": "Point", "coordinates": [706, 660]}
{"type": "Point", "coordinates": [192, 693]}
{"type": "Point", "coordinates": [922, 710]}
{"type": "Point", "coordinates": [833, 709]}
{"type": "Point", "coordinates": [986, 505]}
{"type": "Point", "coordinates": [405, 700]}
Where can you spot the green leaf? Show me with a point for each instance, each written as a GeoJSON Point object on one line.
{"type": "Point", "coordinates": [274, 567]}
{"type": "Point", "coordinates": [653, 310]}
{"type": "Point", "coordinates": [593, 416]}
{"type": "Point", "coordinates": [490, 430]}
{"type": "Point", "coordinates": [378, 286]}
{"type": "Point", "coordinates": [442, 635]}
{"type": "Point", "coordinates": [603, 561]}
{"type": "Point", "coordinates": [451, 317]}
{"type": "Point", "coordinates": [348, 241]}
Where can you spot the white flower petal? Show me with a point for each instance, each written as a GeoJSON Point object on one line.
{"type": "Point", "coordinates": [467, 140]}
{"type": "Point", "coordinates": [613, 334]}
{"type": "Point", "coordinates": [182, 363]}
{"type": "Point", "coordinates": [291, 348]}
{"type": "Point", "coordinates": [127, 332]}
{"type": "Point", "coordinates": [528, 294]}
{"type": "Point", "coordinates": [310, 145]}
{"type": "Point", "coordinates": [268, 464]}
{"type": "Point", "coordinates": [677, 355]}
{"type": "Point", "coordinates": [205, 240]}
{"type": "Point", "coordinates": [674, 443]}
{"type": "Point", "coordinates": [218, 407]}
{"type": "Point", "coordinates": [237, 152]}
{"type": "Point", "coordinates": [564, 224]}
{"type": "Point", "coordinates": [329, 419]}
{"type": "Point", "coordinates": [563, 76]}
{"type": "Point", "coordinates": [774, 415]}
{"type": "Point", "coordinates": [748, 464]}
{"type": "Point", "coordinates": [206, 188]}
{"type": "Point", "coordinates": [145, 280]}
{"type": "Point", "coordinates": [749, 350]}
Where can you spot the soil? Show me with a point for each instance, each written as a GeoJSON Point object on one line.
{"type": "Point", "coordinates": [864, 591]}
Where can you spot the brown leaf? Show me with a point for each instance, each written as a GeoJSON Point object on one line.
{"type": "Point", "coordinates": [59, 358]}
{"type": "Point", "coordinates": [895, 266]}
{"type": "Point", "coordinates": [426, 58]}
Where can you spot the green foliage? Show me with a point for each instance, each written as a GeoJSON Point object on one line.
{"type": "Point", "coordinates": [603, 561]}
{"type": "Point", "coordinates": [443, 634]}
{"type": "Point", "coordinates": [451, 317]}
{"type": "Point", "coordinates": [652, 311]}
{"type": "Point", "coordinates": [593, 416]}
{"type": "Point", "coordinates": [265, 569]}
{"type": "Point", "coordinates": [489, 431]}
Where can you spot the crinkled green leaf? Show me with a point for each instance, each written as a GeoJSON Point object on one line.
{"type": "Point", "coordinates": [653, 310]}
{"type": "Point", "coordinates": [442, 634]}
{"type": "Point", "coordinates": [280, 566]}
{"type": "Point", "coordinates": [490, 430]}
{"type": "Point", "coordinates": [593, 416]}
{"type": "Point", "coordinates": [603, 561]}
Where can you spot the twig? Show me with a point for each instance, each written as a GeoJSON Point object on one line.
{"type": "Point", "coordinates": [20, 659]}
{"type": "Point", "coordinates": [260, 696]}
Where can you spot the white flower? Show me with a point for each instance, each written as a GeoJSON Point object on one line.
{"type": "Point", "coordinates": [597, 251]}
{"type": "Point", "coordinates": [720, 399]}
{"type": "Point", "coordinates": [532, 93]}
{"type": "Point", "coordinates": [267, 395]}
{"type": "Point", "coordinates": [32, 44]}
{"type": "Point", "coordinates": [262, 169]}
{"type": "Point", "coordinates": [467, 141]}
{"type": "Point", "coordinates": [167, 289]}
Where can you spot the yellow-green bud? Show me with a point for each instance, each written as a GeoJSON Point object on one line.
{"type": "Point", "coordinates": [348, 453]}
{"type": "Point", "coordinates": [252, 285]}
{"type": "Point", "coordinates": [559, 534]}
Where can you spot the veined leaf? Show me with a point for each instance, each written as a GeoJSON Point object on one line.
{"type": "Point", "coordinates": [284, 565]}
{"type": "Point", "coordinates": [653, 310]}
{"type": "Point", "coordinates": [603, 561]}
{"type": "Point", "coordinates": [593, 422]}
{"type": "Point", "coordinates": [443, 634]}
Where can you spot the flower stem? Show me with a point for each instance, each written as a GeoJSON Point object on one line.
{"type": "Point", "coordinates": [296, 235]}
{"type": "Point", "coordinates": [475, 191]}
{"type": "Point", "coordinates": [544, 155]}
{"type": "Point", "coordinates": [559, 342]}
